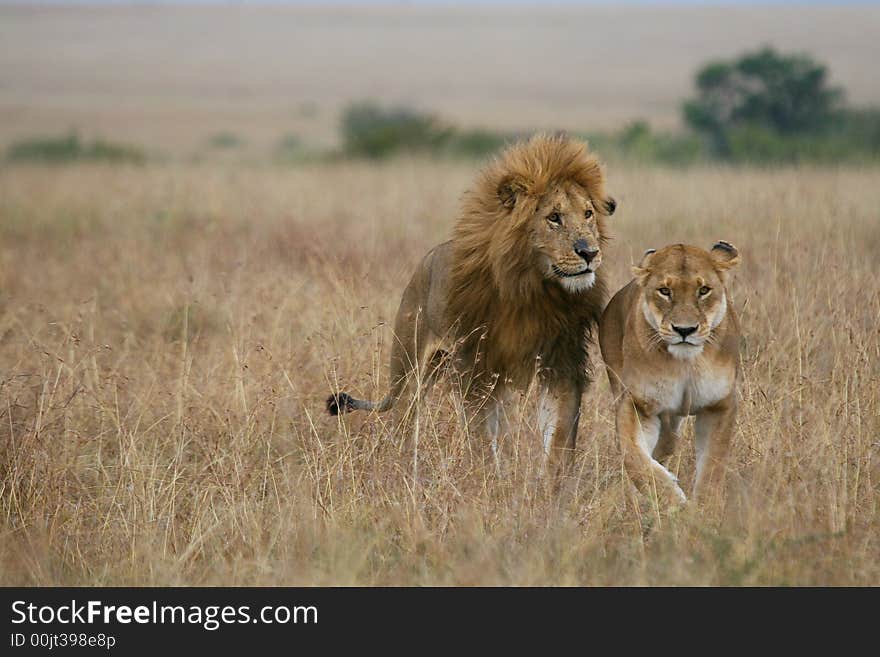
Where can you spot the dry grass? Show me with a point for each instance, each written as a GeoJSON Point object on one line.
{"type": "Point", "coordinates": [167, 337]}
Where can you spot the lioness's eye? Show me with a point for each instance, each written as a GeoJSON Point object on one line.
{"type": "Point", "coordinates": [664, 291]}
{"type": "Point", "coordinates": [555, 218]}
{"type": "Point", "coordinates": [588, 213]}
{"type": "Point", "coordinates": [705, 290]}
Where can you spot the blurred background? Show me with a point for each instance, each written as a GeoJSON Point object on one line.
{"type": "Point", "coordinates": [287, 82]}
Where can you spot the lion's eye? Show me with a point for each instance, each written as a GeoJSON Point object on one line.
{"type": "Point", "coordinates": [705, 290]}
{"type": "Point", "coordinates": [555, 218]}
{"type": "Point", "coordinates": [588, 213]}
{"type": "Point", "coordinates": [664, 291]}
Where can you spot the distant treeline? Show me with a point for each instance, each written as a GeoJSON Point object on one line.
{"type": "Point", "coordinates": [762, 108]}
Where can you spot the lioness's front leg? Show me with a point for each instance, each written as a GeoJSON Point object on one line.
{"type": "Point", "coordinates": [670, 427]}
{"type": "Point", "coordinates": [714, 432]}
{"type": "Point", "coordinates": [638, 433]}
{"type": "Point", "coordinates": [558, 416]}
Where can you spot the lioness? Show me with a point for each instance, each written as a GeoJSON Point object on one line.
{"type": "Point", "coordinates": [670, 341]}
{"type": "Point", "coordinates": [516, 291]}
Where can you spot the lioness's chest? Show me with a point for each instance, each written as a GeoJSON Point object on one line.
{"type": "Point", "coordinates": [687, 392]}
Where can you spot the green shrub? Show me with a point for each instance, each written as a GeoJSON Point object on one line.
{"type": "Point", "coordinates": [860, 127]}
{"type": "Point", "coordinates": [70, 148]}
{"type": "Point", "coordinates": [52, 149]}
{"type": "Point", "coordinates": [758, 145]}
{"type": "Point", "coordinates": [373, 132]}
{"type": "Point", "coordinates": [225, 140]}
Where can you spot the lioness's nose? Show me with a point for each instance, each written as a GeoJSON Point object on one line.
{"type": "Point", "coordinates": [684, 331]}
{"type": "Point", "coordinates": [584, 250]}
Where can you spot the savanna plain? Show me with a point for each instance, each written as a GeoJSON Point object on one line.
{"type": "Point", "coordinates": [169, 332]}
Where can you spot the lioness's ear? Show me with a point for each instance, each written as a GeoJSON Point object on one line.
{"type": "Point", "coordinates": [641, 270]}
{"type": "Point", "coordinates": [725, 255]}
{"type": "Point", "coordinates": [606, 206]}
{"type": "Point", "coordinates": [509, 189]}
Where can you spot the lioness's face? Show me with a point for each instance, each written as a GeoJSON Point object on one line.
{"type": "Point", "coordinates": [683, 296]}
{"type": "Point", "coordinates": [566, 237]}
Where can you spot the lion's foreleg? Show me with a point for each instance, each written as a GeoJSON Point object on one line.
{"type": "Point", "coordinates": [483, 414]}
{"type": "Point", "coordinates": [497, 426]}
{"type": "Point", "coordinates": [558, 416]}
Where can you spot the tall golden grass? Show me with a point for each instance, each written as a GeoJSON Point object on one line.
{"type": "Point", "coordinates": [168, 335]}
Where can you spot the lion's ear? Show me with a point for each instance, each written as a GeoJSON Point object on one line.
{"type": "Point", "coordinates": [725, 255]}
{"type": "Point", "coordinates": [606, 206]}
{"type": "Point", "coordinates": [641, 270]}
{"type": "Point", "coordinates": [510, 188]}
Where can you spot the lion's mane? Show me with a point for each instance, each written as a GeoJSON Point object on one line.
{"type": "Point", "coordinates": [503, 309]}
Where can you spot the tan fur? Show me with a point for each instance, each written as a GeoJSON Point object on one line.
{"type": "Point", "coordinates": [516, 291]}
{"type": "Point", "coordinates": [656, 383]}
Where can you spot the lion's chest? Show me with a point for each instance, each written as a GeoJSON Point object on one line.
{"type": "Point", "coordinates": [686, 392]}
{"type": "Point", "coordinates": [525, 348]}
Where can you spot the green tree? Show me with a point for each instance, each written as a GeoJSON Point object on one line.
{"type": "Point", "coordinates": [783, 94]}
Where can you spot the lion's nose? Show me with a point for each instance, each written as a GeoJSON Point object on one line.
{"type": "Point", "coordinates": [585, 251]}
{"type": "Point", "coordinates": [684, 331]}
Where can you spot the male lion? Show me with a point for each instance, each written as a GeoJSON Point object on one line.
{"type": "Point", "coordinates": [516, 291]}
{"type": "Point", "coordinates": [670, 342]}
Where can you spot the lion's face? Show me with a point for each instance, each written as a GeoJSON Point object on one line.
{"type": "Point", "coordinates": [536, 219]}
{"type": "Point", "coordinates": [565, 235]}
{"type": "Point", "coordinates": [683, 295]}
